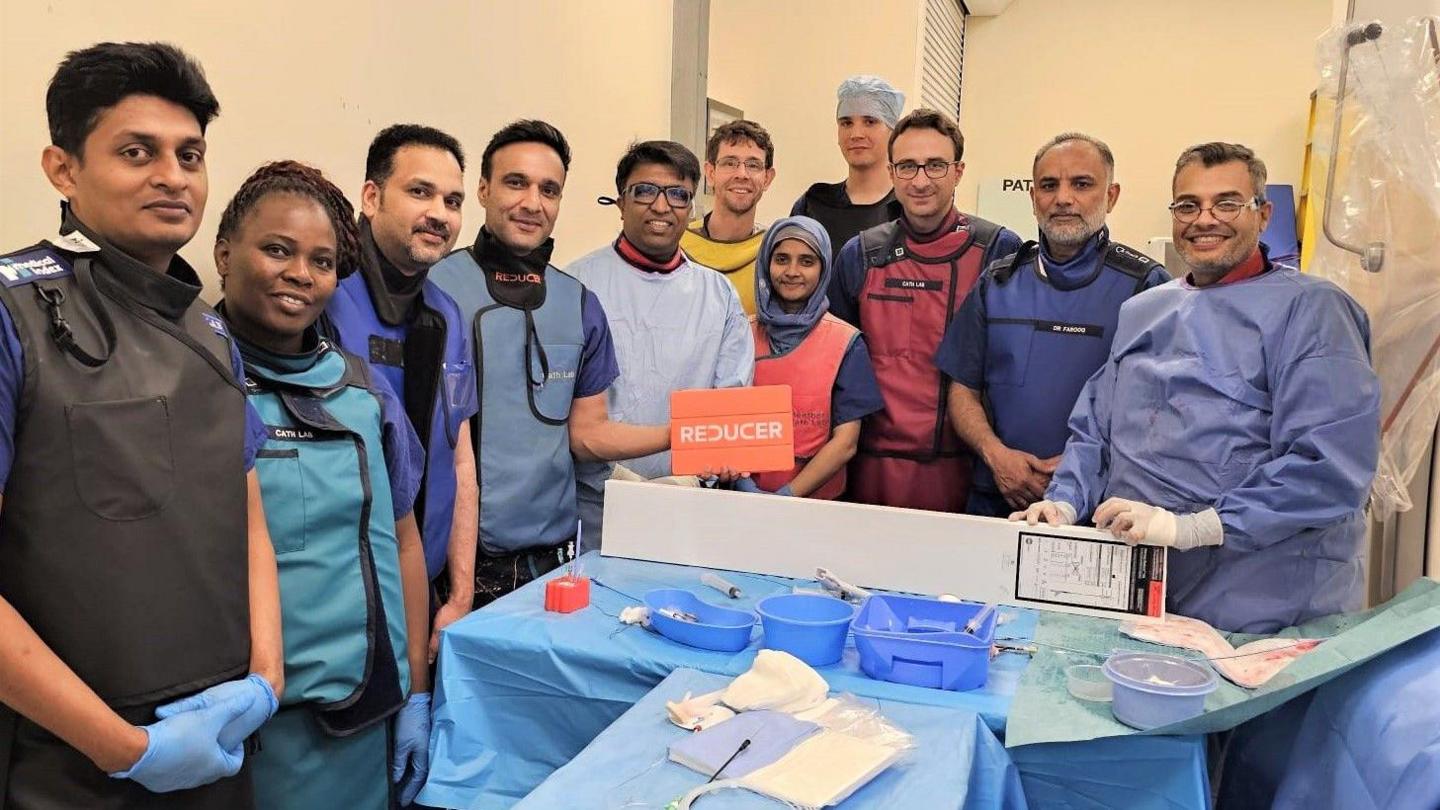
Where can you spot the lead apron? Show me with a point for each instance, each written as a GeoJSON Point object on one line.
{"type": "Point", "coordinates": [810, 369]}
{"type": "Point", "coordinates": [340, 586]}
{"type": "Point", "coordinates": [123, 536]}
{"type": "Point", "coordinates": [526, 362]}
{"type": "Point", "coordinates": [909, 456]}
{"type": "Point", "coordinates": [356, 325]}
{"type": "Point", "coordinates": [1044, 340]}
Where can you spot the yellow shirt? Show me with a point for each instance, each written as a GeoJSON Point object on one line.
{"type": "Point", "coordinates": [735, 260]}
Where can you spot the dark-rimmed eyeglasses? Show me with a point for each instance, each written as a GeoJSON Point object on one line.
{"type": "Point", "coordinates": [734, 164]}
{"type": "Point", "coordinates": [1187, 211]}
{"type": "Point", "coordinates": [646, 193]}
{"type": "Point", "coordinates": [934, 169]}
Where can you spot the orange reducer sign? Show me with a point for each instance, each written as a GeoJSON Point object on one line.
{"type": "Point", "coordinates": [746, 429]}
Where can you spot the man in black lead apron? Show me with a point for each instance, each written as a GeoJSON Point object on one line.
{"type": "Point", "coordinates": [139, 613]}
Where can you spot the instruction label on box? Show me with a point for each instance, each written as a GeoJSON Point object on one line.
{"type": "Point", "coordinates": [1097, 574]}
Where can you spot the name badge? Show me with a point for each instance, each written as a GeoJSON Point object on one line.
{"type": "Point", "coordinates": [933, 285]}
{"type": "Point", "coordinates": [1081, 329]}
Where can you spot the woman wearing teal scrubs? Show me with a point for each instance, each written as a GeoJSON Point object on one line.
{"type": "Point", "coordinates": [339, 474]}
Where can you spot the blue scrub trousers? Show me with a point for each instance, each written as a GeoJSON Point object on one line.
{"type": "Point", "coordinates": [987, 504]}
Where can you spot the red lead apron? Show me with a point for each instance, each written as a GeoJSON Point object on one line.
{"type": "Point", "coordinates": [810, 370]}
{"type": "Point", "coordinates": [909, 454]}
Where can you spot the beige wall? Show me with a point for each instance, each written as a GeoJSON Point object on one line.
{"type": "Point", "coordinates": [292, 88]}
{"type": "Point", "coordinates": [1149, 77]}
{"type": "Point", "coordinates": [780, 63]}
{"type": "Point", "coordinates": [315, 81]}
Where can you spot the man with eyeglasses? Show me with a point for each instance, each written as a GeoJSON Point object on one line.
{"type": "Point", "coordinates": [543, 360]}
{"type": "Point", "coordinates": [1236, 421]}
{"type": "Point", "coordinates": [866, 111]}
{"type": "Point", "coordinates": [901, 283]}
{"type": "Point", "coordinates": [1038, 324]}
{"type": "Point", "coordinates": [739, 166]}
{"type": "Point", "coordinates": [675, 324]}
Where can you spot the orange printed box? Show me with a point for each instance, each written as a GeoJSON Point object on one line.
{"type": "Point", "coordinates": [747, 429]}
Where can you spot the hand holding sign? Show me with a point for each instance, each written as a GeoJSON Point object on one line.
{"type": "Point", "coordinates": [746, 429]}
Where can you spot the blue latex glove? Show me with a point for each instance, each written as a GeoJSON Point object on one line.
{"type": "Point", "coordinates": [412, 746]}
{"type": "Point", "coordinates": [746, 485]}
{"type": "Point", "coordinates": [254, 689]}
{"type": "Point", "coordinates": [749, 485]}
{"type": "Point", "coordinates": [183, 751]}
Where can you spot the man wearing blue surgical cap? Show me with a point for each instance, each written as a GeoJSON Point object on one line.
{"type": "Point", "coordinates": [866, 110]}
{"type": "Point", "coordinates": [1236, 420]}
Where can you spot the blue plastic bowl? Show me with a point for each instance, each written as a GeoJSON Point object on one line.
{"type": "Point", "coordinates": [809, 626]}
{"type": "Point", "coordinates": [716, 628]}
{"type": "Point", "coordinates": [922, 642]}
{"type": "Point", "coordinates": [1154, 690]}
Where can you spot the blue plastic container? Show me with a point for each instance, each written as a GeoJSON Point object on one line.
{"type": "Point", "coordinates": [922, 642]}
{"type": "Point", "coordinates": [1154, 689]}
{"type": "Point", "coordinates": [809, 626]}
{"type": "Point", "coordinates": [715, 628]}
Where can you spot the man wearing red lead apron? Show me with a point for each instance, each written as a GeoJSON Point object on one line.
{"type": "Point", "coordinates": [901, 283]}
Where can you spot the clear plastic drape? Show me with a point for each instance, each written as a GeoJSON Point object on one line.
{"type": "Point", "coordinates": [1387, 193]}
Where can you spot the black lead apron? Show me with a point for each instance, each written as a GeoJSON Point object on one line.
{"type": "Point", "coordinates": [123, 536]}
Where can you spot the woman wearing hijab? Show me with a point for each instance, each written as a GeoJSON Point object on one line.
{"type": "Point", "coordinates": [799, 344]}
{"type": "Point", "coordinates": [339, 475]}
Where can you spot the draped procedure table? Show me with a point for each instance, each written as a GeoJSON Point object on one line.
{"type": "Point", "coordinates": [520, 692]}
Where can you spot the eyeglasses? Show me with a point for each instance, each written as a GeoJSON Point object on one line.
{"type": "Point", "coordinates": [734, 164]}
{"type": "Point", "coordinates": [645, 194]}
{"type": "Point", "coordinates": [934, 169]}
{"type": "Point", "coordinates": [1187, 211]}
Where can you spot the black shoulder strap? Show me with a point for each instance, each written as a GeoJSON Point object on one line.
{"type": "Point", "coordinates": [983, 231]}
{"type": "Point", "coordinates": [53, 298]}
{"type": "Point", "coordinates": [357, 371]}
{"type": "Point", "coordinates": [880, 245]}
{"type": "Point", "coordinates": [1002, 269]}
{"type": "Point", "coordinates": [1131, 262]}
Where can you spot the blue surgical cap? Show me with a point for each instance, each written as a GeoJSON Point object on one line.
{"type": "Point", "coordinates": [869, 95]}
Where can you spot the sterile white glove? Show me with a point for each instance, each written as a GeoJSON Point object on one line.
{"type": "Point", "coordinates": [1055, 513]}
{"type": "Point", "coordinates": [1136, 522]}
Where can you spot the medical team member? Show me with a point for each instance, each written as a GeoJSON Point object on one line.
{"type": "Point", "coordinates": [901, 283]}
{"type": "Point", "coordinates": [339, 472]}
{"type": "Point", "coordinates": [1038, 324]}
{"type": "Point", "coordinates": [800, 344]}
{"type": "Point", "coordinates": [675, 324]}
{"type": "Point", "coordinates": [412, 335]}
{"type": "Point", "coordinates": [866, 111]}
{"type": "Point", "coordinates": [739, 167]}
{"type": "Point", "coordinates": [1236, 419]}
{"type": "Point", "coordinates": [135, 569]}
{"type": "Point", "coordinates": [543, 358]}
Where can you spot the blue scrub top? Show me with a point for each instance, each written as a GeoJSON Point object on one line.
{"type": "Point", "coordinates": [598, 367]}
{"type": "Point", "coordinates": [856, 393]}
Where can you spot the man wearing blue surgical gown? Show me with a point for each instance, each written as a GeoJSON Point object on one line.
{"type": "Point", "coordinates": [675, 324]}
{"type": "Point", "coordinates": [1236, 420]}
